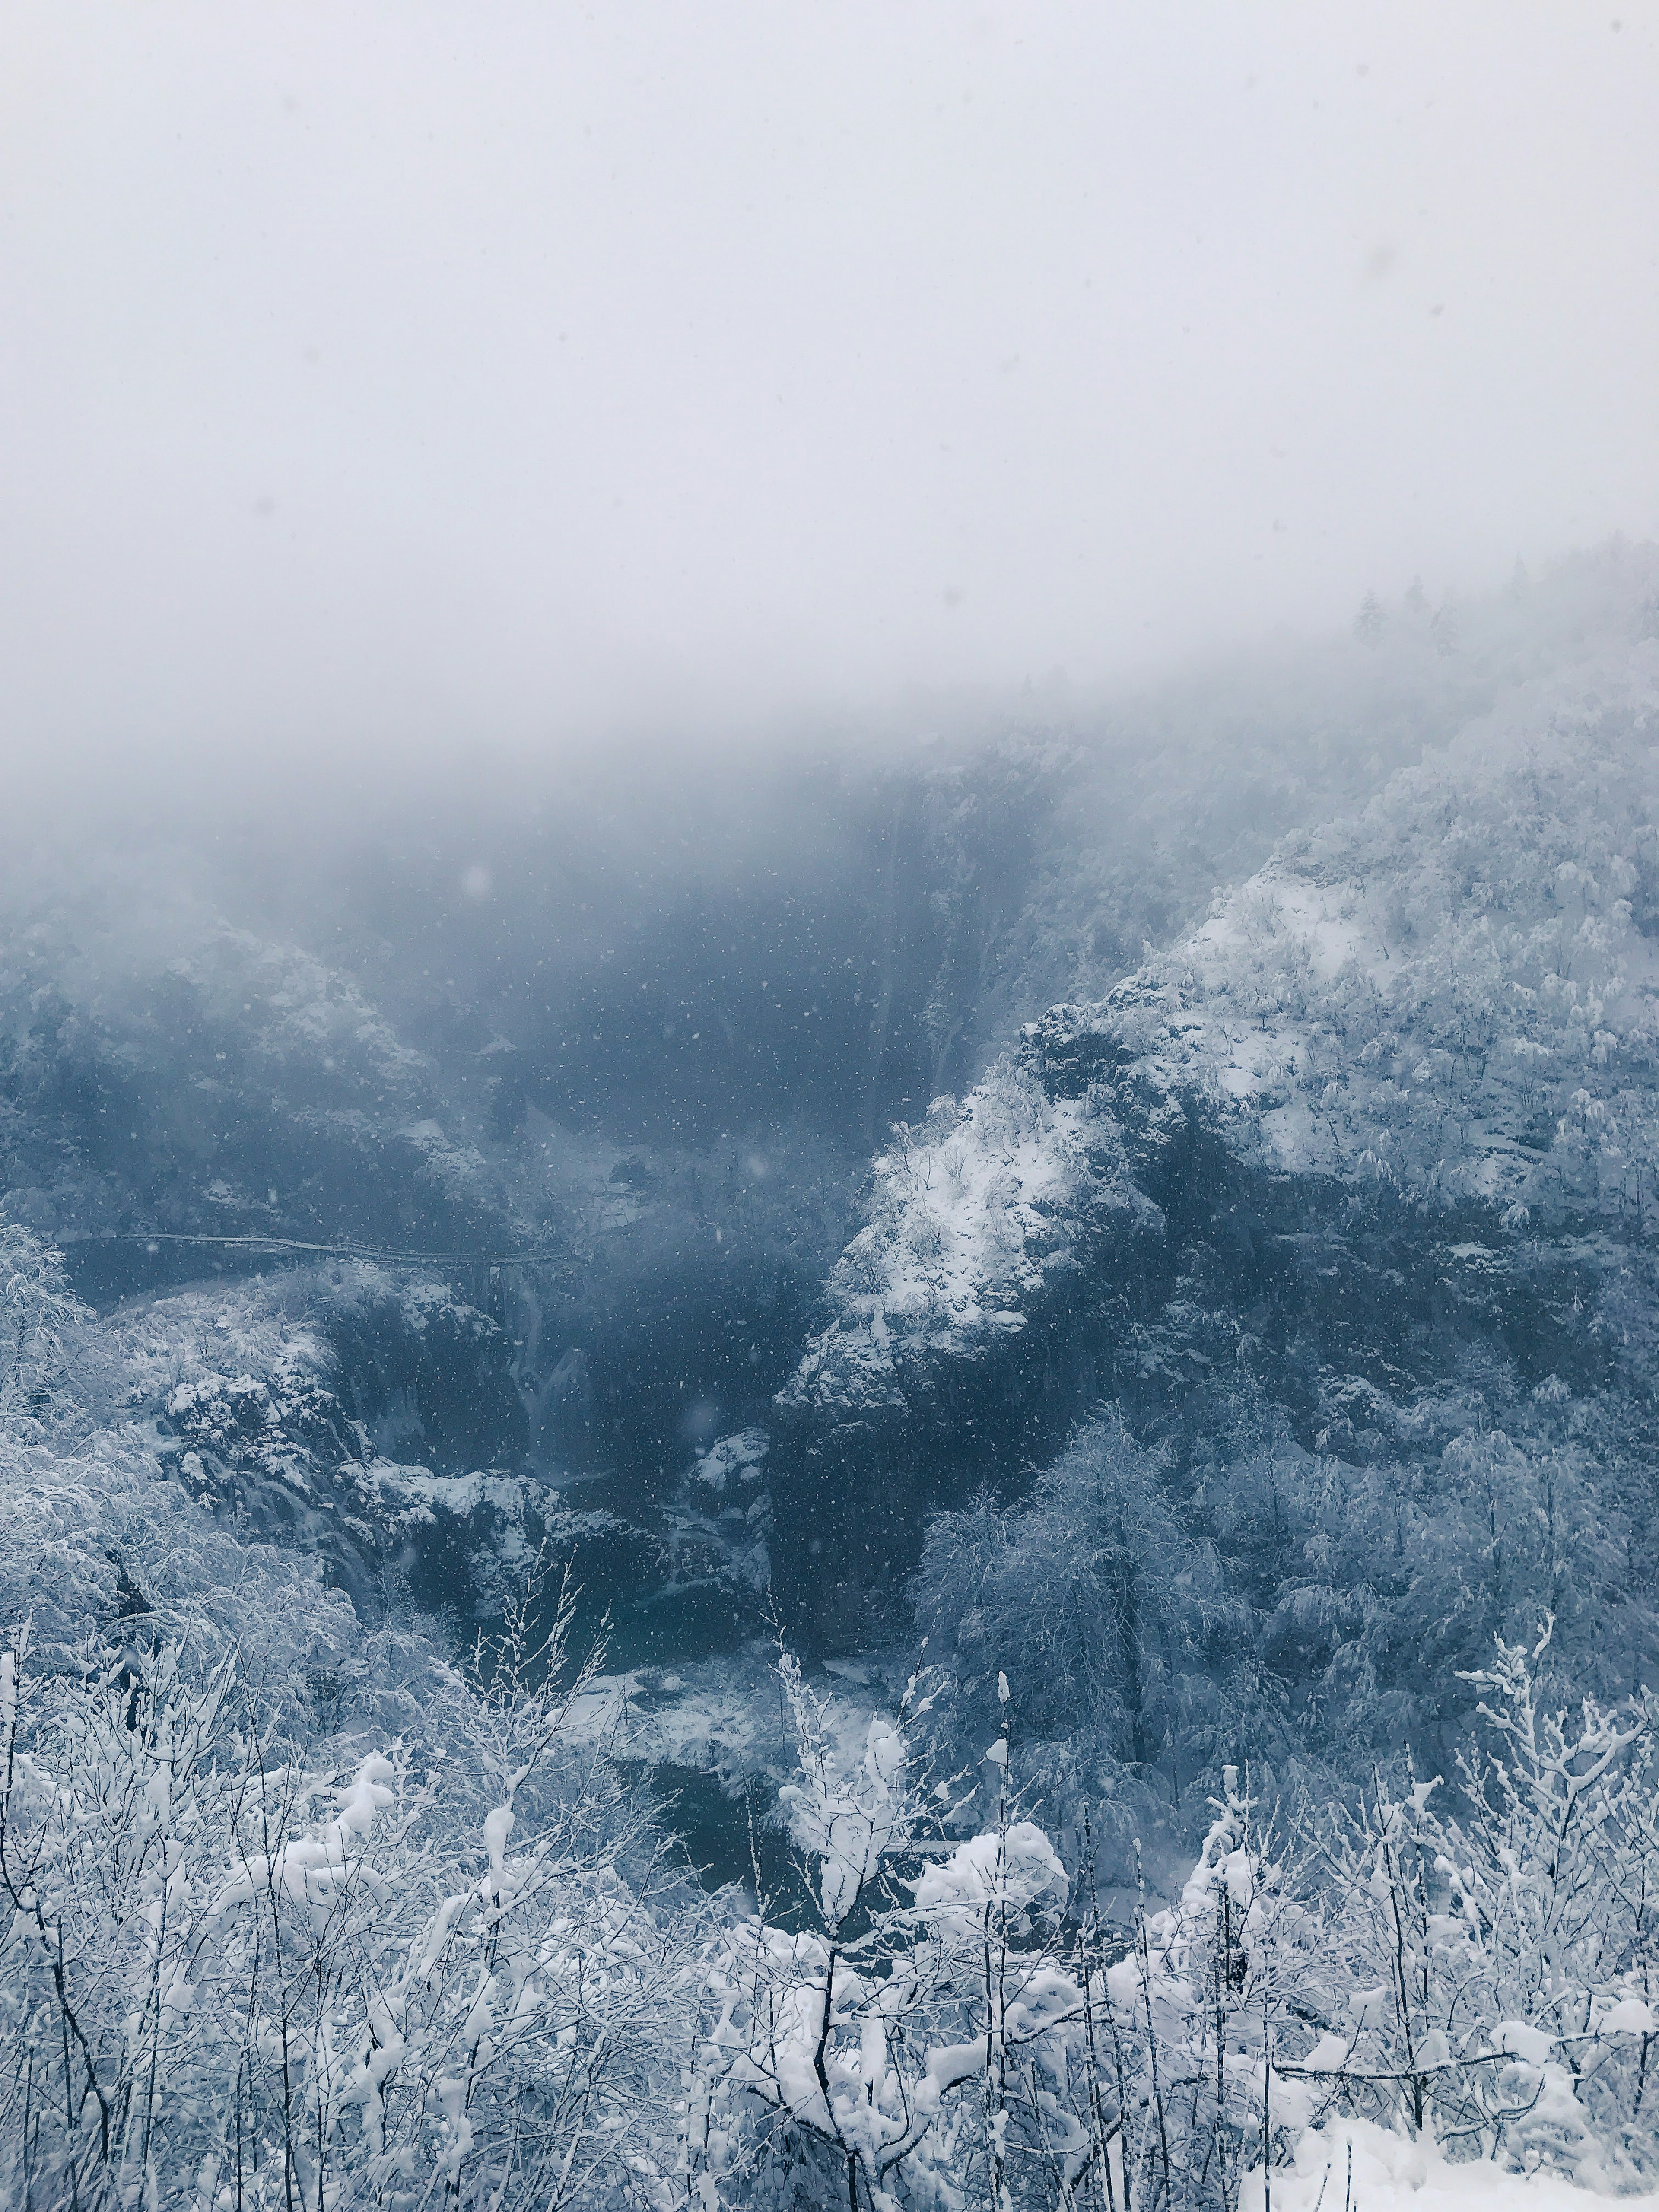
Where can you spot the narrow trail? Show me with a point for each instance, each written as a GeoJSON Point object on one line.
{"type": "Point", "coordinates": [151, 1238]}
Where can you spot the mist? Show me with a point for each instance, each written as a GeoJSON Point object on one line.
{"type": "Point", "coordinates": [829, 1107]}
{"type": "Point", "coordinates": [384, 388]}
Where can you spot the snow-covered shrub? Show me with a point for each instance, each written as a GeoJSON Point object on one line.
{"type": "Point", "coordinates": [232, 1977]}
{"type": "Point", "coordinates": [1499, 1962]}
{"type": "Point", "coordinates": [453, 1967]}
{"type": "Point", "coordinates": [820, 2055]}
{"type": "Point", "coordinates": [902, 2048]}
{"type": "Point", "coordinates": [1186, 2031]}
{"type": "Point", "coordinates": [973, 2033]}
{"type": "Point", "coordinates": [50, 1361]}
{"type": "Point", "coordinates": [977, 2033]}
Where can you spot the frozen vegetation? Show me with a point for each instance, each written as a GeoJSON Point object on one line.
{"type": "Point", "coordinates": [950, 1501]}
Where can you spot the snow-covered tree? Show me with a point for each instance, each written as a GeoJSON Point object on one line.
{"type": "Point", "coordinates": [41, 1319]}
{"type": "Point", "coordinates": [1497, 1961]}
{"type": "Point", "coordinates": [233, 1976]}
{"type": "Point", "coordinates": [823, 2030]}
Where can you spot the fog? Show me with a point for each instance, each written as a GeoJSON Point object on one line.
{"type": "Point", "coordinates": [386, 384]}
{"type": "Point", "coordinates": [828, 1057]}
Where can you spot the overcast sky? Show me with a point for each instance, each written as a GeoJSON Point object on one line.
{"type": "Point", "coordinates": [421, 375]}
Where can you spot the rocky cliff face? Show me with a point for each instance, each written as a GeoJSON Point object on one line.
{"type": "Point", "coordinates": [1383, 1123]}
{"type": "Point", "coordinates": [343, 1414]}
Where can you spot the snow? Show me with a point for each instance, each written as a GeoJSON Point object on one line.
{"type": "Point", "coordinates": [975, 1216]}
{"type": "Point", "coordinates": [734, 1458]}
{"type": "Point", "coordinates": [1403, 998]}
{"type": "Point", "coordinates": [1020, 1870]}
{"type": "Point", "coordinates": [412, 1494]}
{"type": "Point", "coordinates": [1355, 2165]}
{"type": "Point", "coordinates": [719, 1523]}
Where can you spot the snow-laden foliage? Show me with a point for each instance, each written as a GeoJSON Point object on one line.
{"type": "Point", "coordinates": [100, 1537]}
{"type": "Point", "coordinates": [1102, 1609]}
{"type": "Point", "coordinates": [1454, 991]}
{"type": "Point", "coordinates": [236, 1977]}
{"type": "Point", "coordinates": [981, 2033]}
{"type": "Point", "coordinates": [261, 1957]}
{"type": "Point", "coordinates": [114, 1526]}
{"type": "Point", "coordinates": [1500, 1959]}
{"type": "Point", "coordinates": [236, 1396]}
{"type": "Point", "coordinates": [1158, 1610]}
{"type": "Point", "coordinates": [40, 1317]}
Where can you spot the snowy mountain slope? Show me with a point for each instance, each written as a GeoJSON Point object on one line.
{"type": "Point", "coordinates": [213, 1083]}
{"type": "Point", "coordinates": [242, 1397]}
{"type": "Point", "coordinates": [173, 1061]}
{"type": "Point", "coordinates": [1194, 783]}
{"type": "Point", "coordinates": [1457, 991]}
{"type": "Point", "coordinates": [1390, 1109]}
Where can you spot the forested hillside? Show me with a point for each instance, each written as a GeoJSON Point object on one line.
{"type": "Point", "coordinates": [995, 1332]}
{"type": "Point", "coordinates": [1344, 1203]}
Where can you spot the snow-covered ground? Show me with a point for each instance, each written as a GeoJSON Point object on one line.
{"type": "Point", "coordinates": [1355, 2165]}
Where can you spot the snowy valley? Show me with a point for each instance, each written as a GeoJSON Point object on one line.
{"type": "Point", "coordinates": [934, 1485]}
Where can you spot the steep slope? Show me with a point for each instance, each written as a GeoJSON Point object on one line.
{"type": "Point", "coordinates": [1378, 1138]}
{"type": "Point", "coordinates": [1456, 991]}
{"type": "Point", "coordinates": [1193, 782]}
